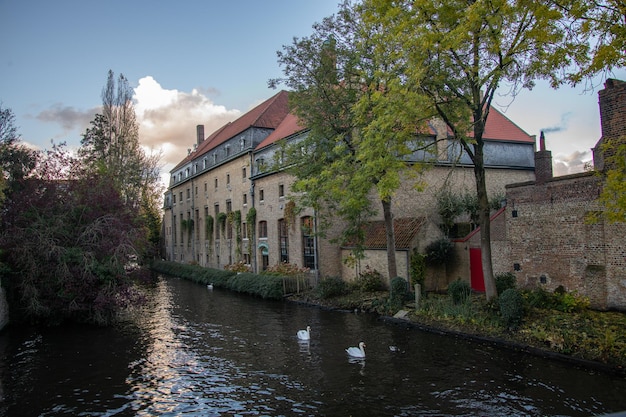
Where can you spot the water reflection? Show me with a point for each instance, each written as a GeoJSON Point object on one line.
{"type": "Point", "coordinates": [211, 353]}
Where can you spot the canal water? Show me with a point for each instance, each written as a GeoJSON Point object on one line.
{"type": "Point", "coordinates": [200, 352]}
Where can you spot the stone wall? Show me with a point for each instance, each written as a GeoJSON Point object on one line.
{"type": "Point", "coordinates": [553, 243]}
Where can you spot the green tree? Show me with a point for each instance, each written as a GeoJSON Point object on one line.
{"type": "Point", "coordinates": [458, 53]}
{"type": "Point", "coordinates": [599, 28]}
{"type": "Point", "coordinates": [339, 93]}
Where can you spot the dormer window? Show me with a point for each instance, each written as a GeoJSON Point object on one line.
{"type": "Point", "coordinates": [227, 150]}
{"type": "Point", "coordinates": [242, 143]}
{"type": "Point", "coordinates": [214, 157]}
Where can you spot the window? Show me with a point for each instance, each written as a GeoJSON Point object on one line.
{"type": "Point", "coordinates": [214, 158]}
{"type": "Point", "coordinates": [173, 198]}
{"type": "Point", "coordinates": [181, 196]}
{"type": "Point", "coordinates": [261, 195]}
{"type": "Point", "coordinates": [242, 143]}
{"type": "Point", "coordinates": [308, 243]}
{"type": "Point", "coordinates": [244, 175]}
{"type": "Point", "coordinates": [281, 190]}
{"type": "Point", "coordinates": [263, 229]}
{"type": "Point", "coordinates": [216, 183]}
{"type": "Point", "coordinates": [245, 199]}
{"type": "Point", "coordinates": [204, 163]}
{"type": "Point", "coordinates": [227, 179]}
{"type": "Point", "coordinates": [227, 150]}
{"type": "Point", "coordinates": [205, 189]}
{"type": "Point", "coordinates": [188, 194]}
{"type": "Point", "coordinates": [244, 231]}
{"type": "Point", "coordinates": [283, 234]}
{"type": "Point", "coordinates": [196, 190]}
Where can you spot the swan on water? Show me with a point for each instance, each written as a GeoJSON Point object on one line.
{"type": "Point", "coordinates": [357, 352]}
{"type": "Point", "coordinates": [305, 334]}
{"type": "Point", "coordinates": [209, 286]}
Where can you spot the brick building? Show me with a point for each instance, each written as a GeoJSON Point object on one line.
{"type": "Point", "coordinates": [550, 241]}
{"type": "Point", "coordinates": [227, 181]}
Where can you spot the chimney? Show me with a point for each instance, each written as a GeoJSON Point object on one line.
{"type": "Point", "coordinates": [543, 162]}
{"type": "Point", "coordinates": [200, 134]}
{"type": "Point", "coordinates": [612, 102]}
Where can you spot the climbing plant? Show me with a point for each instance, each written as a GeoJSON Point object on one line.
{"type": "Point", "coordinates": [208, 231]}
{"type": "Point", "coordinates": [237, 222]}
{"type": "Point", "coordinates": [290, 213]}
{"type": "Point", "coordinates": [221, 223]}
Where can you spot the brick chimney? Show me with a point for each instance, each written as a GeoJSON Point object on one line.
{"type": "Point", "coordinates": [543, 162]}
{"type": "Point", "coordinates": [200, 134]}
{"type": "Point", "coordinates": [612, 102]}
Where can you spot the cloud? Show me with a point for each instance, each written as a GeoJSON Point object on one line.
{"type": "Point", "coordinates": [571, 164]}
{"type": "Point", "coordinates": [69, 118]}
{"type": "Point", "coordinates": [168, 118]}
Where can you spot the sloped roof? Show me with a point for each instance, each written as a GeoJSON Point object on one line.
{"type": "Point", "coordinates": [500, 127]}
{"type": "Point", "coordinates": [405, 229]}
{"type": "Point", "coordinates": [289, 126]}
{"type": "Point", "coordinates": [268, 114]}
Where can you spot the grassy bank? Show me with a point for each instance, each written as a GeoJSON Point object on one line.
{"type": "Point", "coordinates": [585, 334]}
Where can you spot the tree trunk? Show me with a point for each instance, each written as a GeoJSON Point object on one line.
{"type": "Point", "coordinates": [392, 268]}
{"type": "Point", "coordinates": [485, 224]}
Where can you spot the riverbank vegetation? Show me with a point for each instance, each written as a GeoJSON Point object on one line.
{"type": "Point", "coordinates": [550, 322]}
{"type": "Point", "coordinates": [76, 226]}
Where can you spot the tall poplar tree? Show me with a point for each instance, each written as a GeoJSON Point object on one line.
{"type": "Point", "coordinates": [110, 147]}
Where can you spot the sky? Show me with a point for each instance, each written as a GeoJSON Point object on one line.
{"type": "Point", "coordinates": [204, 62]}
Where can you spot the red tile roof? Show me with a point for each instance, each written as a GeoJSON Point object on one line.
{"type": "Point", "coordinates": [500, 127]}
{"type": "Point", "coordinates": [288, 127]}
{"type": "Point", "coordinates": [268, 114]}
{"type": "Point", "coordinates": [405, 229]}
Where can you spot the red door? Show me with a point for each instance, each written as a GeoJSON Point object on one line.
{"type": "Point", "coordinates": [476, 270]}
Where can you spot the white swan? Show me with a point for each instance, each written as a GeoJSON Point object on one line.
{"type": "Point", "coordinates": [357, 352]}
{"type": "Point", "coordinates": [209, 286]}
{"type": "Point", "coordinates": [305, 334]}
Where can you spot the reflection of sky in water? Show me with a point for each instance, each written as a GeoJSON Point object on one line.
{"type": "Point", "coordinates": [175, 378]}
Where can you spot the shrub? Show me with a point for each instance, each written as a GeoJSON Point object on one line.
{"type": "Point", "coordinates": [439, 252]}
{"type": "Point", "coordinates": [285, 269]}
{"type": "Point", "coordinates": [369, 280]}
{"type": "Point", "coordinates": [560, 300]}
{"type": "Point", "coordinates": [505, 281]}
{"type": "Point", "coordinates": [511, 307]}
{"type": "Point", "coordinates": [269, 287]}
{"type": "Point", "coordinates": [331, 287]}
{"type": "Point", "coordinates": [459, 291]}
{"type": "Point", "coordinates": [238, 267]}
{"type": "Point", "coordinates": [399, 290]}
{"type": "Point", "coordinates": [418, 269]}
